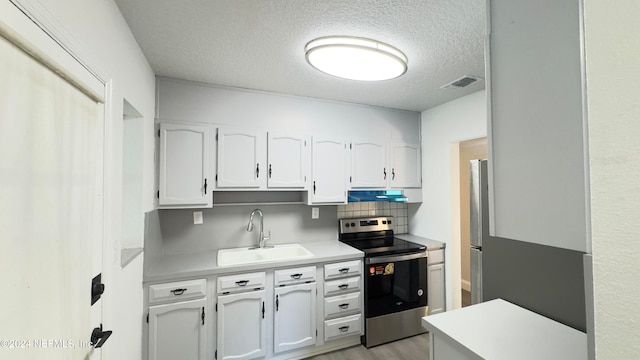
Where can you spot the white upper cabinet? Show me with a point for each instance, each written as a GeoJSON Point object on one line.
{"type": "Point", "coordinates": [368, 164]}
{"type": "Point", "coordinates": [184, 167]}
{"type": "Point", "coordinates": [328, 183]}
{"type": "Point", "coordinates": [241, 158]}
{"type": "Point", "coordinates": [406, 166]}
{"type": "Point", "coordinates": [288, 160]}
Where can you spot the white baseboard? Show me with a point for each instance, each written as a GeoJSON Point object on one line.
{"type": "Point", "coordinates": [465, 285]}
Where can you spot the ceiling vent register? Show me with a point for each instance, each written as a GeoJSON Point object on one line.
{"type": "Point", "coordinates": [460, 83]}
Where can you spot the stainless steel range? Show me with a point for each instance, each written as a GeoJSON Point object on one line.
{"type": "Point", "coordinates": [395, 282]}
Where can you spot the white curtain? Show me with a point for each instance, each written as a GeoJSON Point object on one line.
{"type": "Point", "coordinates": [50, 196]}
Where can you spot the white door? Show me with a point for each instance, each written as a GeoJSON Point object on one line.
{"type": "Point", "coordinates": [242, 326]}
{"type": "Point", "coordinates": [177, 330]}
{"type": "Point", "coordinates": [241, 158]}
{"type": "Point", "coordinates": [295, 317]}
{"type": "Point", "coordinates": [328, 179]}
{"type": "Point", "coordinates": [51, 210]}
{"type": "Point", "coordinates": [288, 160]}
{"type": "Point", "coordinates": [184, 165]}
{"type": "Point", "coordinates": [406, 167]}
{"type": "Point", "coordinates": [368, 164]}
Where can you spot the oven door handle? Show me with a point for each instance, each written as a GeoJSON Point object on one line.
{"type": "Point", "coordinates": [395, 258]}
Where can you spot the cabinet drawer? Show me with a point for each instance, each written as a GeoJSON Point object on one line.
{"type": "Point", "coordinates": [240, 282]}
{"type": "Point", "coordinates": [179, 290]}
{"type": "Point", "coordinates": [294, 276]}
{"type": "Point", "coordinates": [342, 285]}
{"type": "Point", "coordinates": [342, 305]}
{"type": "Point", "coordinates": [344, 326]}
{"type": "Point", "coordinates": [343, 269]}
{"type": "Point", "coordinates": [435, 257]}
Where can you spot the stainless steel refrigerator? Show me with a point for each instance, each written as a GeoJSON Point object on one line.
{"type": "Point", "coordinates": [479, 216]}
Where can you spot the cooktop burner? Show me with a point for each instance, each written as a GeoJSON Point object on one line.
{"type": "Point", "coordinates": [374, 236]}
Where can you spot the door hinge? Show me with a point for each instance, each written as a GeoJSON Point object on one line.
{"type": "Point", "coordinates": [216, 177]}
{"type": "Point", "coordinates": [316, 332]}
{"type": "Point", "coordinates": [158, 194]}
{"type": "Point", "coordinates": [350, 179]}
{"type": "Point", "coordinates": [350, 146]}
{"type": "Point", "coordinates": [203, 315]}
{"type": "Point", "coordinates": [147, 318]}
{"type": "Point", "coordinates": [97, 288]}
{"type": "Point", "coordinates": [216, 136]}
{"type": "Point", "coordinates": [158, 132]}
{"type": "Point", "coordinates": [216, 307]}
{"type": "Point", "coordinates": [216, 355]}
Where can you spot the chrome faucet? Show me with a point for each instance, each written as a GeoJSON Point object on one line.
{"type": "Point", "coordinates": [261, 236]}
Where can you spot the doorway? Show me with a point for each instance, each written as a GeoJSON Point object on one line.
{"type": "Point", "coordinates": [462, 153]}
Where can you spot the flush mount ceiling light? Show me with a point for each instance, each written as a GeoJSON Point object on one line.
{"type": "Point", "coordinates": [356, 58]}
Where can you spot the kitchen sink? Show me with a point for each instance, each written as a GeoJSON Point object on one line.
{"type": "Point", "coordinates": [251, 255]}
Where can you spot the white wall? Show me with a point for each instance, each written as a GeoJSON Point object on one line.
{"type": "Point", "coordinates": [612, 45]}
{"type": "Point", "coordinates": [461, 119]}
{"type": "Point", "coordinates": [103, 33]}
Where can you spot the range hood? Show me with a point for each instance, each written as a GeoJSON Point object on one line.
{"type": "Point", "coordinates": [377, 196]}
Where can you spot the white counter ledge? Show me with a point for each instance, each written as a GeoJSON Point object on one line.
{"type": "Point", "coordinates": [499, 330]}
{"type": "Point", "coordinates": [171, 267]}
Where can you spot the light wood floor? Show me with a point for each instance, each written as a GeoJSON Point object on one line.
{"type": "Point", "coordinates": [415, 347]}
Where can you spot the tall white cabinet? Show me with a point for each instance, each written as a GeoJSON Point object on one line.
{"type": "Point", "coordinates": [537, 125]}
{"type": "Point", "coordinates": [184, 165]}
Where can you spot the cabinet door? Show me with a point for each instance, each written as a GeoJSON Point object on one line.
{"type": "Point", "coordinates": [177, 330]}
{"type": "Point", "coordinates": [406, 167]}
{"type": "Point", "coordinates": [329, 182]}
{"type": "Point", "coordinates": [368, 164]}
{"type": "Point", "coordinates": [241, 325]}
{"type": "Point", "coordinates": [241, 158]}
{"type": "Point", "coordinates": [295, 317]}
{"type": "Point", "coordinates": [288, 160]}
{"type": "Point", "coordinates": [436, 296]}
{"type": "Point", "coordinates": [184, 177]}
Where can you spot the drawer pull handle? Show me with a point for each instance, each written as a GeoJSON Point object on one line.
{"type": "Point", "coordinates": [344, 329]}
{"type": "Point", "coordinates": [242, 282]}
{"type": "Point", "coordinates": [296, 276]}
{"type": "Point", "coordinates": [343, 306]}
{"type": "Point", "coordinates": [343, 270]}
{"type": "Point", "coordinates": [343, 286]}
{"type": "Point", "coordinates": [178, 291]}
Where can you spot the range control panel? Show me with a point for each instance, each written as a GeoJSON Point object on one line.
{"type": "Point", "coordinates": [360, 225]}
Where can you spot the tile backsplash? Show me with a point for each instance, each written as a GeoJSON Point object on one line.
{"type": "Point", "coordinates": [363, 209]}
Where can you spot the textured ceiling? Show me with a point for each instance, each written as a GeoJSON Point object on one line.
{"type": "Point", "coordinates": [259, 44]}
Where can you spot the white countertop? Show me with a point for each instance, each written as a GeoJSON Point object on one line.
{"type": "Point", "coordinates": [171, 267]}
{"type": "Point", "coordinates": [497, 330]}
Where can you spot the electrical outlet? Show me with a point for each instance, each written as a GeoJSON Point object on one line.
{"type": "Point", "coordinates": [197, 218]}
{"type": "Point", "coordinates": [315, 213]}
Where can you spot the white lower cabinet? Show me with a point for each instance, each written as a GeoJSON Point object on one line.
{"type": "Point", "coordinates": [436, 281]}
{"type": "Point", "coordinates": [343, 302]}
{"type": "Point", "coordinates": [177, 329]}
{"type": "Point", "coordinates": [241, 324]}
{"type": "Point", "coordinates": [294, 323]}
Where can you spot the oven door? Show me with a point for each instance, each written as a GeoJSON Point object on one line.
{"type": "Point", "coordinates": [395, 283]}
